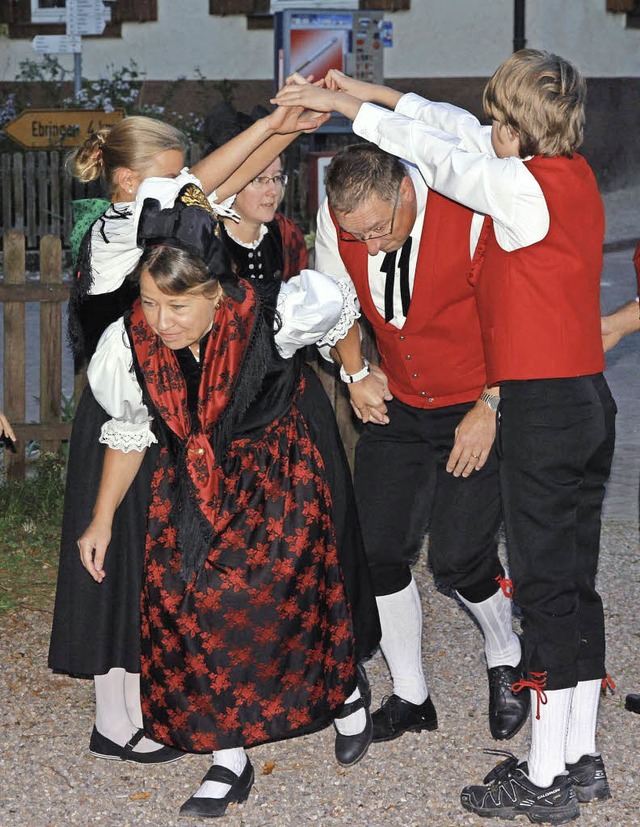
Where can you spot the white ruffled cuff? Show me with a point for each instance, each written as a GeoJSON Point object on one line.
{"type": "Point", "coordinates": [127, 436]}
{"type": "Point", "coordinates": [350, 312]}
{"type": "Point", "coordinates": [223, 209]}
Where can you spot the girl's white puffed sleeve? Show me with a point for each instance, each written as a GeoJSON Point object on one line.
{"type": "Point", "coordinates": [116, 389]}
{"type": "Point", "coordinates": [314, 309]}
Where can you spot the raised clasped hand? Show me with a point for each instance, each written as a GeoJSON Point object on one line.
{"type": "Point", "coordinates": [298, 91]}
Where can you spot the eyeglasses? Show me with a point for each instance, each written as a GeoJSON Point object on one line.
{"type": "Point", "coordinates": [265, 180]}
{"type": "Point", "coordinates": [376, 232]}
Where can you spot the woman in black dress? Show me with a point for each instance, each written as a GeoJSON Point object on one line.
{"type": "Point", "coordinates": [96, 631]}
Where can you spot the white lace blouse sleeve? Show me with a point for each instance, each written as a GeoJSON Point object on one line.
{"type": "Point", "coordinates": [314, 309]}
{"type": "Point", "coordinates": [116, 389]}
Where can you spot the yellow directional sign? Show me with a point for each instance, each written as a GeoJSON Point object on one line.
{"type": "Point", "coordinates": [55, 128]}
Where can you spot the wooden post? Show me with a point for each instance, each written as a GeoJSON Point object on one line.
{"type": "Point", "coordinates": [50, 338]}
{"type": "Point", "coordinates": [14, 349]}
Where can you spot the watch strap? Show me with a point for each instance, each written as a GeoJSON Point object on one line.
{"type": "Point", "coordinates": [350, 378]}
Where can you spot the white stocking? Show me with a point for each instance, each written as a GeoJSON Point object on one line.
{"type": "Point", "coordinates": [233, 759]}
{"type": "Point", "coordinates": [549, 736]}
{"type": "Point", "coordinates": [132, 697]}
{"type": "Point", "coordinates": [401, 643]}
{"type": "Point", "coordinates": [581, 738]}
{"type": "Point", "coordinates": [501, 644]}
{"type": "Point", "coordinates": [355, 723]}
{"type": "Point", "coordinates": [114, 698]}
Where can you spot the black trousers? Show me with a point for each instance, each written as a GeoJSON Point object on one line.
{"type": "Point", "coordinates": [401, 479]}
{"type": "Point", "coordinates": [555, 443]}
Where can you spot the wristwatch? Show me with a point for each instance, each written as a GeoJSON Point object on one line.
{"type": "Point", "coordinates": [490, 400]}
{"type": "Point", "coordinates": [350, 378]}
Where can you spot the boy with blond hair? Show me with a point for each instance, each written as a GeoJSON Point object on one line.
{"type": "Point", "coordinates": [540, 317]}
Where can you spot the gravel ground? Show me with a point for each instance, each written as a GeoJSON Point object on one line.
{"type": "Point", "coordinates": [50, 780]}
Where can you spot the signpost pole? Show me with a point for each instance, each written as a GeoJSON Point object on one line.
{"type": "Point", "coordinates": [74, 29]}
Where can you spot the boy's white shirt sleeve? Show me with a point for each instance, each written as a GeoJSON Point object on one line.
{"type": "Point", "coordinates": [116, 389]}
{"type": "Point", "coordinates": [500, 187]}
{"type": "Point", "coordinates": [448, 118]}
{"type": "Point", "coordinates": [314, 309]}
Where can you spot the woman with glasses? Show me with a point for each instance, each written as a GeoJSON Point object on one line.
{"type": "Point", "coordinates": [262, 242]}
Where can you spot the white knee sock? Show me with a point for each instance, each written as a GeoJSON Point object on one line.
{"type": "Point", "coordinates": [112, 719]}
{"type": "Point", "coordinates": [401, 643]}
{"type": "Point", "coordinates": [549, 736]}
{"type": "Point", "coordinates": [501, 644]}
{"type": "Point", "coordinates": [581, 738]}
{"type": "Point", "coordinates": [234, 759]}
{"type": "Point", "coordinates": [132, 697]}
{"type": "Point", "coordinates": [115, 694]}
{"type": "Point", "coordinates": [355, 723]}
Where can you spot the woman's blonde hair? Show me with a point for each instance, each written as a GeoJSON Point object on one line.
{"type": "Point", "coordinates": [541, 96]}
{"type": "Point", "coordinates": [132, 143]}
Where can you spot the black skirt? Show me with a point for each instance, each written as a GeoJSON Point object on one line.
{"type": "Point", "coordinates": [316, 408]}
{"type": "Point", "coordinates": [96, 626]}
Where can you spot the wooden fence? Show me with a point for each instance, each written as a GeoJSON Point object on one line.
{"type": "Point", "coordinates": [51, 293]}
{"type": "Point", "coordinates": [36, 190]}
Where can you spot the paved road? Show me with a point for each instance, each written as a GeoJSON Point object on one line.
{"type": "Point", "coordinates": [623, 375]}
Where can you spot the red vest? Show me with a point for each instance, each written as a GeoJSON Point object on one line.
{"type": "Point", "coordinates": [436, 358]}
{"type": "Point", "coordinates": [540, 306]}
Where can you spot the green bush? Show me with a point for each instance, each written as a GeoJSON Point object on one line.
{"type": "Point", "coordinates": [30, 520]}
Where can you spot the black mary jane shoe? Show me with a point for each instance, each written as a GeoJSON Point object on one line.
{"type": "Point", "coordinates": [201, 807]}
{"type": "Point", "coordinates": [508, 710]}
{"type": "Point", "coordinates": [350, 749]}
{"type": "Point", "coordinates": [102, 747]}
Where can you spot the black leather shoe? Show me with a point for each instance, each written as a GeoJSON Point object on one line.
{"type": "Point", "coordinates": [632, 703]}
{"type": "Point", "coordinates": [216, 807]}
{"type": "Point", "coordinates": [508, 710]}
{"type": "Point", "coordinates": [397, 716]}
{"type": "Point", "coordinates": [102, 747]}
{"type": "Point", "coordinates": [352, 748]}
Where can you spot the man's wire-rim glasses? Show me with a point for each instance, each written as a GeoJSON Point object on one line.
{"type": "Point", "coordinates": [373, 234]}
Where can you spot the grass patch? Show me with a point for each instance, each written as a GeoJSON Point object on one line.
{"type": "Point", "coordinates": [30, 520]}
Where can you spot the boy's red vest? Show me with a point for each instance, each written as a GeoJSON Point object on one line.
{"type": "Point", "coordinates": [540, 306]}
{"type": "Point", "coordinates": [436, 358]}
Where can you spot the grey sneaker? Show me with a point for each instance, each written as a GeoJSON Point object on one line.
{"type": "Point", "coordinates": [589, 779]}
{"type": "Point", "coordinates": [508, 792]}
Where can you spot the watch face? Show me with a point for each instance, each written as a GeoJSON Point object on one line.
{"type": "Point", "coordinates": [491, 400]}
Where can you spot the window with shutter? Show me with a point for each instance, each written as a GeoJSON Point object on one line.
{"type": "Point", "coordinates": [621, 5]}
{"type": "Point", "coordinates": [259, 17]}
{"type": "Point", "coordinates": [134, 11]}
{"type": "Point", "coordinates": [21, 23]}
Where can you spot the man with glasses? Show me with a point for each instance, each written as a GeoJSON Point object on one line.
{"type": "Point", "coordinates": [408, 252]}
